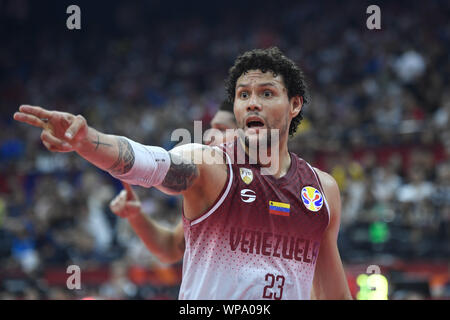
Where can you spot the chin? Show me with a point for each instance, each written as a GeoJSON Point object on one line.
{"type": "Point", "coordinates": [257, 141]}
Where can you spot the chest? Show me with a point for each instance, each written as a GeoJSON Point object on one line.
{"type": "Point", "coordinates": [292, 207]}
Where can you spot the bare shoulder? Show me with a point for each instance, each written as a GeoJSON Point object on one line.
{"type": "Point", "coordinates": [198, 154]}
{"type": "Point", "coordinates": [332, 194]}
{"type": "Point", "coordinates": [328, 182]}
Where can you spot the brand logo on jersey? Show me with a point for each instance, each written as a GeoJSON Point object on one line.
{"type": "Point", "coordinates": [246, 175]}
{"type": "Point", "coordinates": [312, 198]}
{"type": "Point", "coordinates": [248, 195]}
{"type": "Point", "coordinates": [279, 208]}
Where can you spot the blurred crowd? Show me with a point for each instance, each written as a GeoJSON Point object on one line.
{"type": "Point", "coordinates": [378, 121]}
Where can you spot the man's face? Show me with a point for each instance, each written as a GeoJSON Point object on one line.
{"type": "Point", "coordinates": [223, 120]}
{"type": "Point", "coordinates": [261, 102]}
{"type": "Point", "coordinates": [222, 128]}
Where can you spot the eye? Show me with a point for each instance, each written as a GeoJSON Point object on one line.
{"type": "Point", "coordinates": [267, 93]}
{"type": "Point", "coordinates": [244, 95]}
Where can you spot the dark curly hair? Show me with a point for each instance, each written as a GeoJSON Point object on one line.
{"type": "Point", "coordinates": [226, 105]}
{"type": "Point", "coordinates": [271, 59]}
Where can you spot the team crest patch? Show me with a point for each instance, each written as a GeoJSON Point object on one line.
{"type": "Point", "coordinates": [312, 198]}
{"type": "Point", "coordinates": [246, 175]}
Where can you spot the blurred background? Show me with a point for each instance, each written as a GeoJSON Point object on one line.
{"type": "Point", "coordinates": [378, 121]}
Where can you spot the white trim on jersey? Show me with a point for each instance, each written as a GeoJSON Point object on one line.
{"type": "Point", "coordinates": [323, 192]}
{"type": "Point", "coordinates": [222, 199]}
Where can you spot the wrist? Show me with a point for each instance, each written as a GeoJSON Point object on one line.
{"type": "Point", "coordinates": [134, 215]}
{"type": "Point", "coordinates": [85, 145]}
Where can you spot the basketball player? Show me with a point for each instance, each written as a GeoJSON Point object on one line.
{"type": "Point", "coordinates": [248, 235]}
{"type": "Point", "coordinates": [168, 244]}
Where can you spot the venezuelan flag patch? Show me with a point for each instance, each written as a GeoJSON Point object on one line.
{"type": "Point", "coordinates": [279, 208]}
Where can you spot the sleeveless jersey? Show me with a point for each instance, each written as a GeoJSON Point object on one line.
{"type": "Point", "coordinates": [261, 238]}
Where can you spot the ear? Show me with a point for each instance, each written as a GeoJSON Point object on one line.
{"type": "Point", "coordinates": [296, 105]}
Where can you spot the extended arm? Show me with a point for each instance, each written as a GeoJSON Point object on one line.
{"type": "Point", "coordinates": [329, 277]}
{"type": "Point", "coordinates": [173, 172]}
{"type": "Point", "coordinates": [166, 244]}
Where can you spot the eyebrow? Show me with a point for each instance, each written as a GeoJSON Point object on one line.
{"type": "Point", "coordinates": [265, 84]}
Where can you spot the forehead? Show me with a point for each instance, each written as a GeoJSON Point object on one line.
{"type": "Point", "coordinates": [255, 77]}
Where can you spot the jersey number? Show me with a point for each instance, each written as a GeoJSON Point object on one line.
{"type": "Point", "coordinates": [267, 293]}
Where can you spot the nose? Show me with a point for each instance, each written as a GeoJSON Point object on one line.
{"type": "Point", "coordinates": [253, 104]}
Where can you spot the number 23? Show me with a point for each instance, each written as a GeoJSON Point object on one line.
{"type": "Point", "coordinates": [268, 294]}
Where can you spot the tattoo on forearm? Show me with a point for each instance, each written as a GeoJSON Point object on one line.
{"type": "Point", "coordinates": [125, 160]}
{"type": "Point", "coordinates": [180, 175]}
{"type": "Point", "coordinates": [98, 143]}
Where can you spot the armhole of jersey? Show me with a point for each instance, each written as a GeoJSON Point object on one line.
{"type": "Point", "coordinates": [323, 192]}
{"type": "Point", "coordinates": [224, 194]}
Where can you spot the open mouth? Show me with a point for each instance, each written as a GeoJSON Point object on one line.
{"type": "Point", "coordinates": [254, 122]}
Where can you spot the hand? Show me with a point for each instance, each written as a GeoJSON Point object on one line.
{"type": "Point", "coordinates": [126, 204]}
{"type": "Point", "coordinates": [62, 131]}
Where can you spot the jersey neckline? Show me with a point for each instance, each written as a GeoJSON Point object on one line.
{"type": "Point", "coordinates": [278, 181]}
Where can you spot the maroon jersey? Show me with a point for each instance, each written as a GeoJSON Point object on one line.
{"type": "Point", "coordinates": [260, 239]}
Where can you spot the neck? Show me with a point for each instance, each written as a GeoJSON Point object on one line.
{"type": "Point", "coordinates": [276, 164]}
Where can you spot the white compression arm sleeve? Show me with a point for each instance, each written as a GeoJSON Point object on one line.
{"type": "Point", "coordinates": [150, 166]}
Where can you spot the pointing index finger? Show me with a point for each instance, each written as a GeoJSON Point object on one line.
{"type": "Point", "coordinates": [30, 119]}
{"type": "Point", "coordinates": [36, 111]}
{"type": "Point", "coordinates": [130, 192]}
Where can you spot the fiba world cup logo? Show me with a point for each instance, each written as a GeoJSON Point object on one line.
{"type": "Point", "coordinates": [312, 198]}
